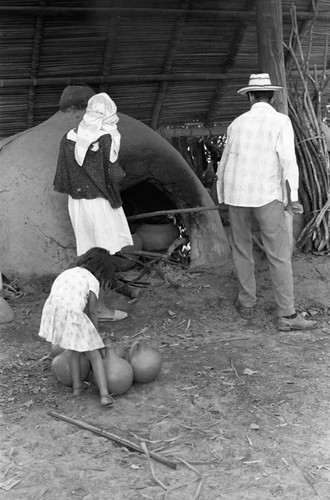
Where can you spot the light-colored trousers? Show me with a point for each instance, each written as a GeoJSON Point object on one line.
{"type": "Point", "coordinates": [275, 239]}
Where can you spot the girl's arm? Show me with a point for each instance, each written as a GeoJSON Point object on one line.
{"type": "Point", "coordinates": [91, 309]}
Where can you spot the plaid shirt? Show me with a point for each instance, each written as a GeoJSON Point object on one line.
{"type": "Point", "coordinates": [258, 157]}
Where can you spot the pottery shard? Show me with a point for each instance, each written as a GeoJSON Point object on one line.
{"type": "Point", "coordinates": [6, 313]}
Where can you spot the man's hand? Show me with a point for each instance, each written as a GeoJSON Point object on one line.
{"type": "Point", "coordinates": [294, 208]}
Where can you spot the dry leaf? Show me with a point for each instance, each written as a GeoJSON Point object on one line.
{"type": "Point", "coordinates": [10, 483]}
{"type": "Point", "coordinates": [28, 403]}
{"type": "Point", "coordinates": [247, 371]}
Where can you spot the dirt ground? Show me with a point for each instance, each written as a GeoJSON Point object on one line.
{"type": "Point", "coordinates": [240, 408]}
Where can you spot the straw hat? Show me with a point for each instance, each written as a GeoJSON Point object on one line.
{"type": "Point", "coordinates": [257, 82]}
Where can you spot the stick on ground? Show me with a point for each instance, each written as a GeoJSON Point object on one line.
{"type": "Point", "coordinates": [113, 437]}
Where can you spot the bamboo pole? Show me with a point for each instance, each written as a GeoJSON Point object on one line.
{"type": "Point", "coordinates": [113, 437]}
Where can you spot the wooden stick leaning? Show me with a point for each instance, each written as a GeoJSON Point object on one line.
{"type": "Point", "coordinates": [113, 437]}
{"type": "Point", "coordinates": [146, 451]}
{"type": "Point", "coordinates": [172, 212]}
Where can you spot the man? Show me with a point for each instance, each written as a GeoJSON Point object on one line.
{"type": "Point", "coordinates": [257, 166]}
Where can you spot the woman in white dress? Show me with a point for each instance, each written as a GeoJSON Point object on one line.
{"type": "Point", "coordinates": [89, 172]}
{"type": "Point", "coordinates": [70, 319]}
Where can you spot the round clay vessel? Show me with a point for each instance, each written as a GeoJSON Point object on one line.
{"type": "Point", "coordinates": [118, 372]}
{"type": "Point", "coordinates": [146, 362]}
{"type": "Point", "coordinates": [6, 313]}
{"type": "Point", "coordinates": [157, 236]}
{"type": "Point", "coordinates": [121, 351]}
{"type": "Point", "coordinates": [61, 368]}
{"type": "Point", "coordinates": [56, 350]}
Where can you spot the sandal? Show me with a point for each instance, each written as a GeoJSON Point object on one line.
{"type": "Point", "coordinates": [112, 315]}
{"type": "Point", "coordinates": [106, 400]}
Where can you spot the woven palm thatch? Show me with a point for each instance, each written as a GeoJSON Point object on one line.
{"type": "Point", "coordinates": [165, 62]}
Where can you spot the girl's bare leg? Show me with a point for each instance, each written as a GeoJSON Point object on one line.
{"type": "Point", "coordinates": [75, 372]}
{"type": "Point", "coordinates": [98, 370]}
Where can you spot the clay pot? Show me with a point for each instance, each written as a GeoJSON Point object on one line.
{"type": "Point", "coordinates": [61, 367]}
{"type": "Point", "coordinates": [6, 313]}
{"type": "Point", "coordinates": [118, 372]}
{"type": "Point", "coordinates": [120, 351]}
{"type": "Point", "coordinates": [125, 264]}
{"type": "Point", "coordinates": [157, 235]}
{"type": "Point", "coordinates": [146, 362]}
{"type": "Point", "coordinates": [56, 350]}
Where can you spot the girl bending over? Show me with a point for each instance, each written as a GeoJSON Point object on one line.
{"type": "Point", "coordinates": [69, 317]}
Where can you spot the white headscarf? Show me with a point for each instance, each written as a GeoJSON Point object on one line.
{"type": "Point", "coordinates": [100, 119]}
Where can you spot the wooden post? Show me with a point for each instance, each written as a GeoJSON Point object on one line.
{"type": "Point", "coordinates": [270, 47]}
{"type": "Point", "coordinates": [271, 60]}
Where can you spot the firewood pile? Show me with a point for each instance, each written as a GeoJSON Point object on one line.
{"type": "Point", "coordinates": [305, 88]}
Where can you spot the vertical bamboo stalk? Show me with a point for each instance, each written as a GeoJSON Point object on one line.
{"type": "Point", "coordinates": [306, 115]}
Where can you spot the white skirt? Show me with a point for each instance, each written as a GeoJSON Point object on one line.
{"type": "Point", "coordinates": [96, 224]}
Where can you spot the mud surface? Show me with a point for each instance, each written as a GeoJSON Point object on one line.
{"type": "Point", "coordinates": [242, 409]}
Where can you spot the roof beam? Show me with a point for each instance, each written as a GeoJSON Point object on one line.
{"type": "Point", "coordinates": [37, 42]}
{"type": "Point", "coordinates": [67, 80]}
{"type": "Point", "coordinates": [109, 50]}
{"type": "Point", "coordinates": [179, 77]}
{"type": "Point", "coordinates": [50, 10]}
{"type": "Point", "coordinates": [175, 40]}
{"type": "Point", "coordinates": [221, 88]}
{"type": "Point", "coordinates": [219, 14]}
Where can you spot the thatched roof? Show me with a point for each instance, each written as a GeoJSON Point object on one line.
{"type": "Point", "coordinates": [164, 62]}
